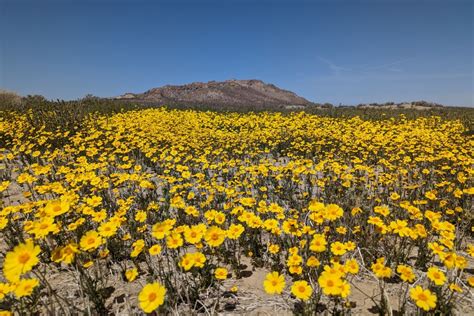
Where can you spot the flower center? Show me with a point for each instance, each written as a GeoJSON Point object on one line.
{"type": "Point", "coordinates": [152, 297]}
{"type": "Point", "coordinates": [23, 258]}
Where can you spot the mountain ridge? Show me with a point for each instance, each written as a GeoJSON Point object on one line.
{"type": "Point", "coordinates": [233, 92]}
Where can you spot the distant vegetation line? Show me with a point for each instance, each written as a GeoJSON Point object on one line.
{"type": "Point", "coordinates": [65, 115]}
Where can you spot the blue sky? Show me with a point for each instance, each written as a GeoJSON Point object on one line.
{"type": "Point", "coordinates": [327, 51]}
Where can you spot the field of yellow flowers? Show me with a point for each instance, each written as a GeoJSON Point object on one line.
{"type": "Point", "coordinates": [168, 211]}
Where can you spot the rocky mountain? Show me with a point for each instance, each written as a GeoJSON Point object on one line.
{"type": "Point", "coordinates": [229, 93]}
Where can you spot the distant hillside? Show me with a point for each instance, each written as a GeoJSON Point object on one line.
{"type": "Point", "coordinates": [229, 93]}
{"type": "Point", "coordinates": [9, 98]}
{"type": "Point", "coordinates": [415, 105]}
